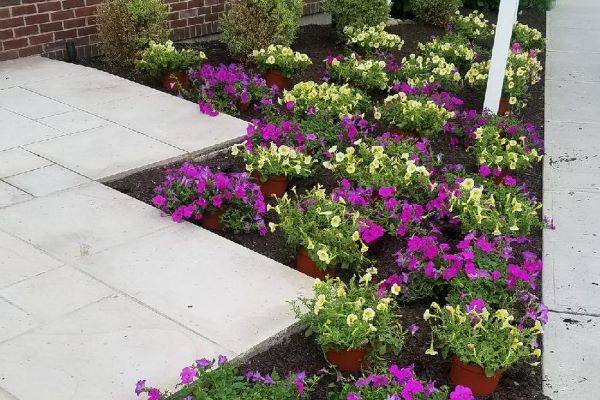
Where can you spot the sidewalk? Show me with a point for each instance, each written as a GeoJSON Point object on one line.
{"type": "Point", "coordinates": [572, 197]}
{"type": "Point", "coordinates": [97, 290]}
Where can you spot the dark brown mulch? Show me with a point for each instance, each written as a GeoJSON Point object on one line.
{"type": "Point", "coordinates": [521, 382]}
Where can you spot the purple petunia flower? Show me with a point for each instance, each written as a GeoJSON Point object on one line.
{"type": "Point", "coordinates": [140, 386]}
{"type": "Point", "coordinates": [203, 363]}
{"type": "Point", "coordinates": [153, 394]}
{"type": "Point", "coordinates": [461, 393]}
{"type": "Point", "coordinates": [187, 375]}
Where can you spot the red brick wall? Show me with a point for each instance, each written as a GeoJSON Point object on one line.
{"type": "Point", "coordinates": [29, 27]}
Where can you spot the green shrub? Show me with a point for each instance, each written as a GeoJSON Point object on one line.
{"type": "Point", "coordinates": [256, 24]}
{"type": "Point", "coordinates": [435, 12]}
{"type": "Point", "coordinates": [126, 27]}
{"type": "Point", "coordinates": [357, 13]}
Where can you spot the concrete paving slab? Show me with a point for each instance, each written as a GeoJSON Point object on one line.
{"type": "Point", "coordinates": [99, 352]}
{"type": "Point", "coordinates": [104, 151]}
{"type": "Point", "coordinates": [175, 121]}
{"type": "Point", "coordinates": [10, 195]}
{"type": "Point", "coordinates": [211, 285]}
{"type": "Point", "coordinates": [46, 180]}
{"type": "Point", "coordinates": [569, 40]}
{"type": "Point", "coordinates": [81, 221]}
{"type": "Point", "coordinates": [573, 66]}
{"type": "Point", "coordinates": [571, 359]}
{"type": "Point", "coordinates": [18, 160]}
{"type": "Point", "coordinates": [574, 213]}
{"type": "Point", "coordinates": [44, 297]}
{"type": "Point", "coordinates": [13, 322]}
{"type": "Point", "coordinates": [29, 104]}
{"type": "Point", "coordinates": [74, 121]}
{"type": "Point", "coordinates": [34, 69]}
{"type": "Point", "coordinates": [20, 260]}
{"type": "Point", "coordinates": [564, 139]}
{"type": "Point", "coordinates": [88, 88]}
{"type": "Point", "coordinates": [18, 130]}
{"type": "Point", "coordinates": [580, 107]}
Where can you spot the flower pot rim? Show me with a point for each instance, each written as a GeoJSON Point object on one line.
{"type": "Point", "coordinates": [475, 368]}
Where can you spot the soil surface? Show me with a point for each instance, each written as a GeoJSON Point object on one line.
{"type": "Point", "coordinates": [298, 353]}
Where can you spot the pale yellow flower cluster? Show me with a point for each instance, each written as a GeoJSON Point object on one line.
{"type": "Point", "coordinates": [443, 48]}
{"type": "Point", "coordinates": [371, 38]}
{"type": "Point", "coordinates": [280, 56]}
{"type": "Point", "coordinates": [341, 100]}
{"type": "Point", "coordinates": [473, 26]}
{"type": "Point", "coordinates": [370, 73]}
{"type": "Point", "coordinates": [276, 160]}
{"type": "Point", "coordinates": [423, 70]}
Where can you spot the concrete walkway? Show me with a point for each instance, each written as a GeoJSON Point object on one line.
{"type": "Point", "coordinates": [96, 289]}
{"type": "Point", "coordinates": [572, 197]}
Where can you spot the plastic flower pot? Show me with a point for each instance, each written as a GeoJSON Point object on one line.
{"type": "Point", "coordinates": [498, 180]}
{"type": "Point", "coordinates": [307, 266]}
{"type": "Point", "coordinates": [211, 220]}
{"type": "Point", "coordinates": [347, 360]}
{"type": "Point", "coordinates": [172, 81]}
{"type": "Point", "coordinates": [276, 77]}
{"type": "Point", "coordinates": [404, 134]}
{"type": "Point", "coordinates": [504, 106]}
{"type": "Point", "coordinates": [473, 377]}
{"type": "Point", "coordinates": [275, 185]}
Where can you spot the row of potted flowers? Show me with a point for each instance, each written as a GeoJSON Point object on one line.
{"type": "Point", "coordinates": [390, 183]}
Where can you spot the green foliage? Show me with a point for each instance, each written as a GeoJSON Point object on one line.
{"type": "Point", "coordinates": [494, 209]}
{"type": "Point", "coordinates": [495, 150]}
{"type": "Point", "coordinates": [416, 114]}
{"type": "Point", "coordinates": [276, 160]}
{"type": "Point", "coordinates": [365, 74]}
{"type": "Point", "coordinates": [227, 383]}
{"type": "Point", "coordinates": [278, 57]}
{"type": "Point", "coordinates": [380, 166]}
{"type": "Point", "coordinates": [528, 38]}
{"type": "Point", "coordinates": [159, 58]}
{"type": "Point", "coordinates": [126, 28]}
{"type": "Point", "coordinates": [351, 316]}
{"type": "Point", "coordinates": [488, 340]}
{"type": "Point", "coordinates": [419, 71]}
{"type": "Point", "coordinates": [473, 26]}
{"type": "Point", "coordinates": [357, 12]}
{"type": "Point", "coordinates": [453, 48]}
{"type": "Point", "coordinates": [256, 24]}
{"type": "Point", "coordinates": [339, 100]}
{"type": "Point", "coordinates": [371, 39]}
{"type": "Point", "coordinates": [401, 9]}
{"type": "Point", "coordinates": [328, 230]}
{"type": "Point", "coordinates": [435, 12]}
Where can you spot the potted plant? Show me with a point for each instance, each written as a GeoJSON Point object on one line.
{"type": "Point", "coordinates": [351, 320]}
{"type": "Point", "coordinates": [397, 165]}
{"type": "Point", "coordinates": [273, 165]}
{"type": "Point", "coordinates": [413, 116]}
{"type": "Point", "coordinates": [495, 151]}
{"type": "Point", "coordinates": [215, 199]}
{"type": "Point", "coordinates": [307, 98]}
{"type": "Point", "coordinates": [168, 63]}
{"type": "Point", "coordinates": [398, 383]}
{"type": "Point", "coordinates": [279, 64]}
{"type": "Point", "coordinates": [482, 344]}
{"type": "Point", "coordinates": [453, 48]}
{"type": "Point", "coordinates": [522, 71]}
{"type": "Point", "coordinates": [324, 231]}
{"type": "Point", "coordinates": [221, 379]}
{"type": "Point", "coordinates": [419, 71]}
{"type": "Point", "coordinates": [491, 209]}
{"type": "Point", "coordinates": [364, 74]}
{"type": "Point", "coordinates": [228, 88]}
{"type": "Point", "coordinates": [528, 38]}
{"type": "Point", "coordinates": [373, 39]}
{"type": "Point", "coordinates": [473, 26]}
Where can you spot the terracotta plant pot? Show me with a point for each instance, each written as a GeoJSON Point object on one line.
{"type": "Point", "coordinates": [404, 134]}
{"type": "Point", "coordinates": [276, 77]}
{"type": "Point", "coordinates": [504, 106]}
{"type": "Point", "coordinates": [275, 185]}
{"type": "Point", "coordinates": [499, 180]}
{"type": "Point", "coordinates": [210, 220]}
{"type": "Point", "coordinates": [173, 80]}
{"type": "Point", "coordinates": [473, 377]}
{"type": "Point", "coordinates": [242, 107]}
{"type": "Point", "coordinates": [347, 360]}
{"type": "Point", "coordinates": [307, 266]}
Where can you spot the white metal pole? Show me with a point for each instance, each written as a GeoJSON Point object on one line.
{"type": "Point", "coordinates": [507, 16]}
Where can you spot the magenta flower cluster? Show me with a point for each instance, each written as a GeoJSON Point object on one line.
{"type": "Point", "coordinates": [188, 192]}
{"type": "Point", "coordinates": [228, 88]}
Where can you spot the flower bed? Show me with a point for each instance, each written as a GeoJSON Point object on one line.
{"type": "Point", "coordinates": [396, 213]}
